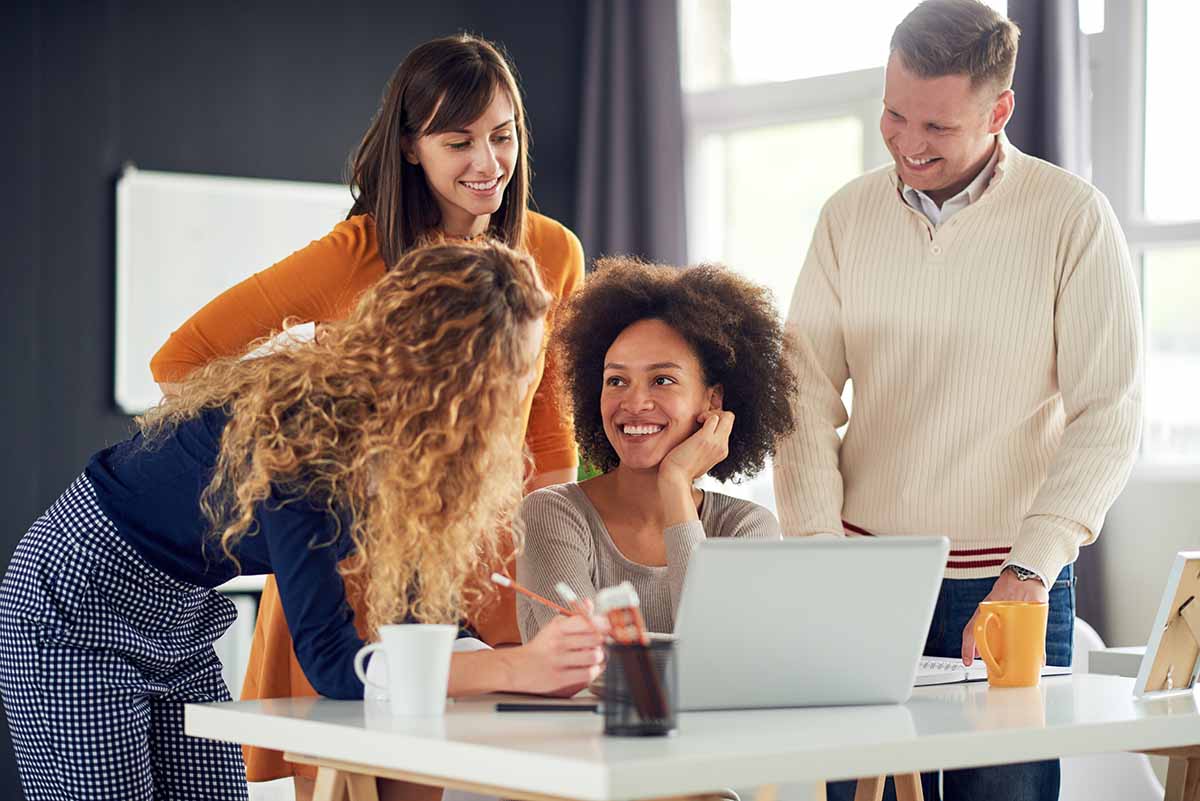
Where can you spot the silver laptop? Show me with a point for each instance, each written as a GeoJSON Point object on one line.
{"type": "Point", "coordinates": [805, 622]}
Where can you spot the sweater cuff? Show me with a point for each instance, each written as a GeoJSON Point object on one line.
{"type": "Point", "coordinates": [1046, 544]}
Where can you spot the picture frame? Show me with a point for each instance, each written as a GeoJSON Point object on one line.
{"type": "Point", "coordinates": [1172, 661]}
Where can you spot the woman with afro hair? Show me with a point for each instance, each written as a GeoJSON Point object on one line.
{"type": "Point", "coordinates": [672, 374]}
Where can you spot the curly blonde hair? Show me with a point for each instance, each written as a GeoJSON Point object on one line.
{"type": "Point", "coordinates": [401, 420]}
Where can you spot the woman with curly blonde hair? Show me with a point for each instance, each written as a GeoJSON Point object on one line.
{"type": "Point", "coordinates": [447, 154]}
{"type": "Point", "coordinates": [395, 435]}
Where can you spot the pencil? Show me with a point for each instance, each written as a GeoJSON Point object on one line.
{"type": "Point", "coordinates": [505, 581]}
{"type": "Point", "coordinates": [577, 606]}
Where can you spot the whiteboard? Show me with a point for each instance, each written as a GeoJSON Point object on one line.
{"type": "Point", "coordinates": [183, 239]}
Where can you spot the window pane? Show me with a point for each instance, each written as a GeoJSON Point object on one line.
{"type": "Point", "coordinates": [772, 182]}
{"type": "Point", "coordinates": [1172, 431]}
{"type": "Point", "coordinates": [1091, 16]}
{"type": "Point", "coordinates": [758, 41]}
{"type": "Point", "coordinates": [1172, 115]}
{"type": "Point", "coordinates": [763, 190]}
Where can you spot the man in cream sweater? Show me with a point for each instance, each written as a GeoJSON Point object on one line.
{"type": "Point", "coordinates": [983, 303]}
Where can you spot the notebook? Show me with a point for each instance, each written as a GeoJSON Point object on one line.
{"type": "Point", "coordinates": [949, 670]}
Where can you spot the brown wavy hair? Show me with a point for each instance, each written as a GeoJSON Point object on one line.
{"type": "Point", "coordinates": [401, 420]}
{"type": "Point", "coordinates": [731, 325]}
{"type": "Point", "coordinates": [442, 85]}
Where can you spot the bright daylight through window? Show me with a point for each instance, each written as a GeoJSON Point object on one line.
{"type": "Point", "coordinates": [1171, 270]}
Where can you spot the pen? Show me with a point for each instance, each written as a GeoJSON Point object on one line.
{"type": "Point", "coordinates": [511, 707]}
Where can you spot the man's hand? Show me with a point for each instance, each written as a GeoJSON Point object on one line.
{"type": "Point", "coordinates": [1007, 588]}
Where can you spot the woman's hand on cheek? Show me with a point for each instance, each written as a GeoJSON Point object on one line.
{"type": "Point", "coordinates": [699, 453]}
{"type": "Point", "coordinates": [689, 460]}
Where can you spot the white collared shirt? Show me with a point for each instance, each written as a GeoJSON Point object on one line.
{"type": "Point", "coordinates": [922, 202]}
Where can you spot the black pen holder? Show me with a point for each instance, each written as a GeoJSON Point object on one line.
{"type": "Point", "coordinates": [641, 691]}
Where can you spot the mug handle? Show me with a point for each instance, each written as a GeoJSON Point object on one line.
{"type": "Point", "coordinates": [360, 671]}
{"type": "Point", "coordinates": [981, 640]}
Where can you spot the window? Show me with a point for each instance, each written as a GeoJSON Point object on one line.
{"type": "Point", "coordinates": [1172, 178]}
{"type": "Point", "coordinates": [782, 109]}
{"type": "Point", "coordinates": [1171, 289]}
{"type": "Point", "coordinates": [767, 223]}
{"type": "Point", "coordinates": [1144, 62]}
{"type": "Point", "coordinates": [744, 42]}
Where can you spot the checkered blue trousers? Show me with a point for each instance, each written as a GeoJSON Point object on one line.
{"type": "Point", "coordinates": [99, 652]}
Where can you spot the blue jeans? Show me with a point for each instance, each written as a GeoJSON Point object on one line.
{"type": "Point", "coordinates": [1027, 781]}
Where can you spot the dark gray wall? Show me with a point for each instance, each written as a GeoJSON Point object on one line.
{"type": "Point", "coordinates": [271, 90]}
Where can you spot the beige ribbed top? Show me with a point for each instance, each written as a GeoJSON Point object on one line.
{"type": "Point", "coordinates": [996, 363]}
{"type": "Point", "coordinates": [566, 540]}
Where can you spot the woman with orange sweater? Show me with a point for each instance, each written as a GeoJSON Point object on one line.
{"type": "Point", "coordinates": [444, 158]}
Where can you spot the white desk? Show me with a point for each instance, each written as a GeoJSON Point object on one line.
{"type": "Point", "coordinates": [565, 755]}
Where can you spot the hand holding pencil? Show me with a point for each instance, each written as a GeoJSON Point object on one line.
{"type": "Point", "coordinates": [566, 655]}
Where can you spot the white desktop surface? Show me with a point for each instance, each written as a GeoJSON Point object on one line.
{"type": "Point", "coordinates": [567, 755]}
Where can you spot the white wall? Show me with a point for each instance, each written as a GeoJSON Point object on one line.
{"type": "Point", "coordinates": [1152, 520]}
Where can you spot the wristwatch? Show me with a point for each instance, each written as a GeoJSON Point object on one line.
{"type": "Point", "coordinates": [1022, 574]}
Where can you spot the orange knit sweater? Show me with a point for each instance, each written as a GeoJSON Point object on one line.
{"type": "Point", "coordinates": [320, 283]}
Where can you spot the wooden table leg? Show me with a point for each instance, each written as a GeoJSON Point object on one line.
{"type": "Point", "coordinates": [770, 792]}
{"type": "Point", "coordinates": [1183, 779]}
{"type": "Point", "coordinates": [908, 787]}
{"type": "Point", "coordinates": [330, 785]}
{"type": "Point", "coordinates": [870, 788]}
{"type": "Point", "coordinates": [362, 787]}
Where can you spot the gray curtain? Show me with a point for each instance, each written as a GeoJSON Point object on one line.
{"type": "Point", "coordinates": [630, 189]}
{"type": "Point", "coordinates": [1053, 121]}
{"type": "Point", "coordinates": [1053, 116]}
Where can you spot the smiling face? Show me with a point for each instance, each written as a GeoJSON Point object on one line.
{"type": "Point", "coordinates": [653, 392]}
{"type": "Point", "coordinates": [940, 131]}
{"type": "Point", "coordinates": [468, 169]}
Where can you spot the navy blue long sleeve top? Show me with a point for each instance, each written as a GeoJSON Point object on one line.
{"type": "Point", "coordinates": [152, 494]}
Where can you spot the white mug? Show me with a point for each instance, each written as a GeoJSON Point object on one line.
{"type": "Point", "coordinates": [418, 666]}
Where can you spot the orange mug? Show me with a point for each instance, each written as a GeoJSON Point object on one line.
{"type": "Point", "coordinates": [1011, 638]}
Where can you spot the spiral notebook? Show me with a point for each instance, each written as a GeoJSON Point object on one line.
{"type": "Point", "coordinates": [949, 670]}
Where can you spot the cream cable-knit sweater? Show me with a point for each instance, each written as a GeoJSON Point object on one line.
{"type": "Point", "coordinates": [996, 363]}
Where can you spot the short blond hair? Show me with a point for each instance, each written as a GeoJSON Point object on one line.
{"type": "Point", "coordinates": [958, 37]}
